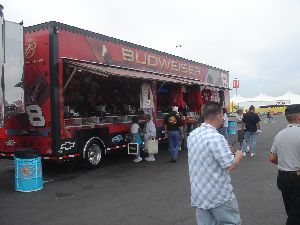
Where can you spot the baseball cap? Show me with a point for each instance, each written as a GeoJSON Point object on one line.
{"type": "Point", "coordinates": [291, 109]}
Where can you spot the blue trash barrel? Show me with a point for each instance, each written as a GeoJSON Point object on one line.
{"type": "Point", "coordinates": [232, 127]}
{"type": "Point", "coordinates": [28, 170]}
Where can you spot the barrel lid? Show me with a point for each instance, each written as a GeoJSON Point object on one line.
{"type": "Point", "coordinates": [27, 153]}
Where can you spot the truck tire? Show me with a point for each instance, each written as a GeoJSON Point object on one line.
{"type": "Point", "coordinates": [93, 153]}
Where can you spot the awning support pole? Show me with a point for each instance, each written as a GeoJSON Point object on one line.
{"type": "Point", "coordinates": [68, 81]}
{"type": "Point", "coordinates": [161, 86]}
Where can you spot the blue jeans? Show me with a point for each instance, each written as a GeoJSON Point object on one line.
{"type": "Point", "coordinates": [226, 214]}
{"type": "Point", "coordinates": [138, 152]}
{"type": "Point", "coordinates": [249, 137]}
{"type": "Point", "coordinates": [174, 142]}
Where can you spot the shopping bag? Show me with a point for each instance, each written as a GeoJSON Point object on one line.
{"type": "Point", "coordinates": [153, 146]}
{"type": "Point", "coordinates": [133, 148]}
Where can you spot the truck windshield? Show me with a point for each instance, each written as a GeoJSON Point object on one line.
{"type": "Point", "coordinates": [12, 88]}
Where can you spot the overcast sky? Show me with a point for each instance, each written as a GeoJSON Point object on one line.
{"type": "Point", "coordinates": [257, 41]}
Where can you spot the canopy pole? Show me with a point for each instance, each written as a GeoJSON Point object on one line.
{"type": "Point", "coordinates": [69, 80]}
{"type": "Point", "coordinates": [161, 86]}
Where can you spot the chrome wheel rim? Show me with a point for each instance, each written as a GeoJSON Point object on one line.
{"type": "Point", "coordinates": [94, 154]}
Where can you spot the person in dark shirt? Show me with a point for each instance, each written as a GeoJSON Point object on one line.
{"type": "Point", "coordinates": [250, 123]}
{"type": "Point", "coordinates": [173, 130]}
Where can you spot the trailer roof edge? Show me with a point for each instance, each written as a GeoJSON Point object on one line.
{"type": "Point", "coordinates": [73, 29]}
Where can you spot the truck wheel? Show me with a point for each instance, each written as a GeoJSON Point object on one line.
{"type": "Point", "coordinates": [92, 154]}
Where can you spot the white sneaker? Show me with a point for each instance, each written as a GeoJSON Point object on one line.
{"type": "Point", "coordinates": [252, 154]}
{"type": "Point", "coordinates": [248, 148]}
{"type": "Point", "coordinates": [150, 159]}
{"type": "Point", "coordinates": [138, 159]}
{"type": "Point", "coordinates": [244, 153]}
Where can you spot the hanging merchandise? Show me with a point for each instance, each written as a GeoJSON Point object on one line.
{"type": "Point", "coordinates": [176, 98]}
{"type": "Point", "coordinates": [215, 96]}
{"type": "Point", "coordinates": [195, 100]}
{"type": "Point", "coordinates": [206, 95]}
{"type": "Point", "coordinates": [146, 96]}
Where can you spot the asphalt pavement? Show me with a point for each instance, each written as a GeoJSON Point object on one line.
{"type": "Point", "coordinates": [122, 192]}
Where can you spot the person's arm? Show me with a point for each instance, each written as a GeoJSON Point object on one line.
{"type": "Point", "coordinates": [152, 130]}
{"type": "Point", "coordinates": [166, 130]}
{"type": "Point", "coordinates": [258, 126]}
{"type": "Point", "coordinates": [223, 154]}
{"type": "Point", "coordinates": [243, 122]}
{"type": "Point", "coordinates": [237, 159]}
{"type": "Point", "coordinates": [243, 125]}
{"type": "Point", "coordinates": [273, 158]}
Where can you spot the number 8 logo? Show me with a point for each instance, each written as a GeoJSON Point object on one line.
{"type": "Point", "coordinates": [35, 115]}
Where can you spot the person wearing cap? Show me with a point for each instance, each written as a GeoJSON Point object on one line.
{"type": "Point", "coordinates": [251, 124]}
{"type": "Point", "coordinates": [173, 130]}
{"type": "Point", "coordinates": [285, 153]}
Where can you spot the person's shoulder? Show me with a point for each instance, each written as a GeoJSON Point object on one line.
{"type": "Point", "coordinates": [285, 131]}
{"type": "Point", "coordinates": [211, 134]}
{"type": "Point", "coordinates": [291, 130]}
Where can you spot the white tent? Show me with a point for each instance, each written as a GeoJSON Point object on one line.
{"type": "Point", "coordinates": [262, 99]}
{"type": "Point", "coordinates": [293, 98]}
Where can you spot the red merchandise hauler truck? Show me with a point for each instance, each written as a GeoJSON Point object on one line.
{"type": "Point", "coordinates": [80, 90]}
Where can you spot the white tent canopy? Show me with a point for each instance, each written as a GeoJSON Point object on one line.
{"type": "Point", "coordinates": [262, 99]}
{"type": "Point", "coordinates": [294, 98]}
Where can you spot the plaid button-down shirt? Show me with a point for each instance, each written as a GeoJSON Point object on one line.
{"type": "Point", "coordinates": [209, 156]}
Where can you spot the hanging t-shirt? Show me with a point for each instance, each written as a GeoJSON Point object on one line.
{"type": "Point", "coordinates": [146, 96]}
{"type": "Point", "coordinates": [206, 95]}
{"type": "Point", "coordinates": [176, 98]}
{"type": "Point", "coordinates": [195, 100]}
{"type": "Point", "coordinates": [215, 96]}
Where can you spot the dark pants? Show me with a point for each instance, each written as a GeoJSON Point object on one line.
{"type": "Point", "coordinates": [289, 185]}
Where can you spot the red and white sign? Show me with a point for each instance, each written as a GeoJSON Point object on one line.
{"type": "Point", "coordinates": [236, 83]}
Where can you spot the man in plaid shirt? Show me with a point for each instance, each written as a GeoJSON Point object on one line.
{"type": "Point", "coordinates": [210, 161]}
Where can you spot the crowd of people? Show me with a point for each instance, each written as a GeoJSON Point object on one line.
{"type": "Point", "coordinates": [210, 158]}
{"type": "Point", "coordinates": [174, 130]}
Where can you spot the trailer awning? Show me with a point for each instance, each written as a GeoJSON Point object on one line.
{"type": "Point", "coordinates": [108, 70]}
